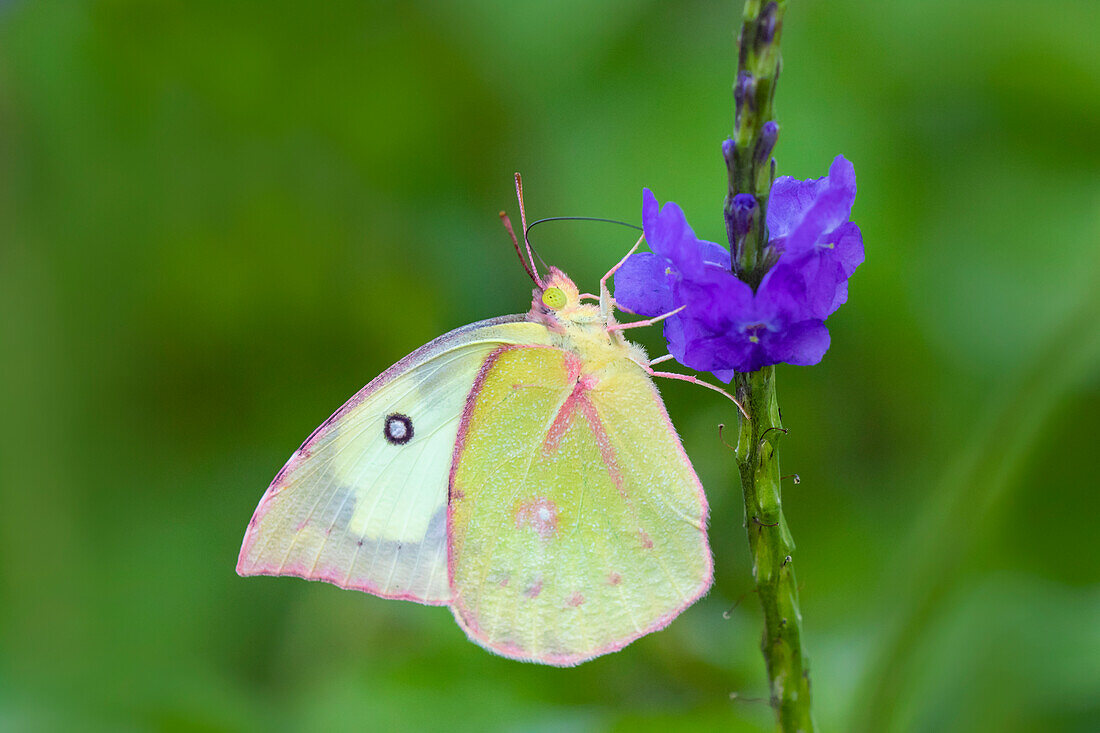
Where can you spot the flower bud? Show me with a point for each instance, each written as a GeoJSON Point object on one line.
{"type": "Point", "coordinates": [741, 213]}
{"type": "Point", "coordinates": [769, 133]}
{"type": "Point", "coordinates": [766, 25]}
{"type": "Point", "coordinates": [743, 210]}
{"type": "Point", "coordinates": [743, 91]}
{"type": "Point", "coordinates": [728, 147]}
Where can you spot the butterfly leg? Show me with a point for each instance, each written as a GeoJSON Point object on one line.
{"type": "Point", "coordinates": [646, 322]}
{"type": "Point", "coordinates": [607, 303]}
{"type": "Point", "coordinates": [701, 383]}
{"type": "Point", "coordinates": [613, 270]}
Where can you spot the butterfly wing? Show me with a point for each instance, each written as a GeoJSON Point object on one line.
{"type": "Point", "coordinates": [362, 504]}
{"type": "Point", "coordinates": [577, 523]}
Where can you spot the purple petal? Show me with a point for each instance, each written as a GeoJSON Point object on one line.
{"type": "Point", "coordinates": [801, 213]}
{"type": "Point", "coordinates": [803, 289]}
{"type": "Point", "coordinates": [642, 284]}
{"type": "Point", "coordinates": [650, 211]}
{"type": "Point", "coordinates": [848, 246]}
{"type": "Point", "coordinates": [705, 335]}
{"type": "Point", "coordinates": [669, 235]}
{"type": "Point", "coordinates": [724, 375]}
{"type": "Point", "coordinates": [788, 202]}
{"type": "Point", "coordinates": [715, 254]}
{"type": "Point", "coordinates": [782, 296]}
{"type": "Point", "coordinates": [830, 209]}
{"type": "Point", "coordinates": [840, 297]}
{"type": "Point", "coordinates": [700, 348]}
{"type": "Point", "coordinates": [716, 299]}
{"type": "Point", "coordinates": [676, 338]}
{"type": "Point", "coordinates": [802, 343]}
{"type": "Point", "coordinates": [725, 351]}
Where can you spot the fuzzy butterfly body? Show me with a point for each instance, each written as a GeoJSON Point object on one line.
{"type": "Point", "coordinates": [522, 471]}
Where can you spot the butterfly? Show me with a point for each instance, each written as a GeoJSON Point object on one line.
{"type": "Point", "coordinates": [522, 471]}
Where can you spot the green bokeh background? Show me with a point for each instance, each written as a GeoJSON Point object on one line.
{"type": "Point", "coordinates": [218, 220]}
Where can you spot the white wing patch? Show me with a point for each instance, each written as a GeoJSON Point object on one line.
{"type": "Point", "coordinates": [361, 504]}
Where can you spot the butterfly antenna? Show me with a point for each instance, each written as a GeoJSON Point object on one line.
{"type": "Point", "coordinates": [515, 243]}
{"type": "Point", "coordinates": [531, 226]}
{"type": "Point", "coordinates": [583, 218]}
{"type": "Point", "coordinates": [545, 266]}
{"type": "Point", "coordinates": [523, 221]}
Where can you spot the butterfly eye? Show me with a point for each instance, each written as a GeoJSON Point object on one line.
{"type": "Point", "coordinates": [554, 298]}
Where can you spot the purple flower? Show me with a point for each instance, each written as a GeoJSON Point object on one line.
{"type": "Point", "coordinates": [725, 326]}
{"type": "Point", "coordinates": [809, 228]}
{"type": "Point", "coordinates": [644, 283]}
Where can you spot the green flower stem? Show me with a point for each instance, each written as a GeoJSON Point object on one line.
{"type": "Point", "coordinates": [757, 455]}
{"type": "Point", "coordinates": [772, 550]}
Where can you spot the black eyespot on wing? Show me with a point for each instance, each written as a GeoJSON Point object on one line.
{"type": "Point", "coordinates": [398, 429]}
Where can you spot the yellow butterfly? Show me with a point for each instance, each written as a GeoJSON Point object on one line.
{"type": "Point", "coordinates": [521, 470]}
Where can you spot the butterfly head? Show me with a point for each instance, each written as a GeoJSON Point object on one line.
{"type": "Point", "coordinates": [558, 302]}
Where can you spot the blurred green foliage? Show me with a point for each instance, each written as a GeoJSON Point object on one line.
{"type": "Point", "coordinates": [218, 220]}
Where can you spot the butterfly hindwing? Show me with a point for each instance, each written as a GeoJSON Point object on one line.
{"type": "Point", "coordinates": [362, 504]}
{"type": "Point", "coordinates": [577, 522]}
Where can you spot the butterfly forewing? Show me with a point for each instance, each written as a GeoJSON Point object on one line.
{"type": "Point", "coordinates": [363, 502]}
{"type": "Point", "coordinates": [577, 522]}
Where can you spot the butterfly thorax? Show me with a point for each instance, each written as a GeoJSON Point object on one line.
{"type": "Point", "coordinates": [582, 328]}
